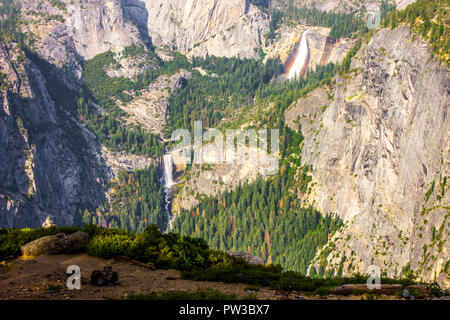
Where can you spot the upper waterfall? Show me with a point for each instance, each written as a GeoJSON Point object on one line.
{"type": "Point", "coordinates": [301, 60]}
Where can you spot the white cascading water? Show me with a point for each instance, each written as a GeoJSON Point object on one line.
{"type": "Point", "coordinates": [168, 169]}
{"type": "Point", "coordinates": [300, 59]}
{"type": "Point", "coordinates": [168, 183]}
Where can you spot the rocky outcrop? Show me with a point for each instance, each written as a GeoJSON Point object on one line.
{"type": "Point", "coordinates": [216, 174]}
{"type": "Point", "coordinates": [149, 109]}
{"type": "Point", "coordinates": [117, 161]}
{"type": "Point", "coordinates": [57, 244]}
{"type": "Point", "coordinates": [200, 27]}
{"type": "Point", "coordinates": [324, 50]}
{"type": "Point", "coordinates": [247, 257]}
{"type": "Point", "coordinates": [380, 158]}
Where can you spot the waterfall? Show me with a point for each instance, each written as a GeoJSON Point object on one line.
{"type": "Point", "coordinates": [168, 170]}
{"type": "Point", "coordinates": [168, 182]}
{"type": "Point", "coordinates": [301, 60]}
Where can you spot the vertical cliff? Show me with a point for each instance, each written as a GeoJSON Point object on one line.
{"type": "Point", "coordinates": [380, 153]}
{"type": "Point", "coordinates": [200, 27]}
{"type": "Point", "coordinates": [47, 167]}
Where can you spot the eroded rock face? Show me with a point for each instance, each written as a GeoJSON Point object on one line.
{"type": "Point", "coordinates": [380, 153]}
{"type": "Point", "coordinates": [57, 244]}
{"type": "Point", "coordinates": [149, 109]}
{"type": "Point", "coordinates": [217, 174]}
{"type": "Point", "coordinates": [200, 27]}
{"type": "Point", "coordinates": [117, 161]}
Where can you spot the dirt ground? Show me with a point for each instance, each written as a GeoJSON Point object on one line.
{"type": "Point", "coordinates": [30, 279]}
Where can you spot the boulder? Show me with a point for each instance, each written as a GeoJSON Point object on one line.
{"type": "Point", "coordinates": [247, 257]}
{"type": "Point", "coordinates": [56, 244]}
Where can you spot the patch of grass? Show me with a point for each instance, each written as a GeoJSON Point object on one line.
{"type": "Point", "coordinates": [199, 294]}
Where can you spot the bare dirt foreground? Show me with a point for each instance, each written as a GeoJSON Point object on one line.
{"type": "Point", "coordinates": [30, 279]}
{"type": "Point", "coordinates": [34, 279]}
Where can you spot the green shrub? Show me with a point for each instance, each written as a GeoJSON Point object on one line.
{"type": "Point", "coordinates": [164, 250]}
{"type": "Point", "coordinates": [199, 294]}
{"type": "Point", "coordinates": [110, 246]}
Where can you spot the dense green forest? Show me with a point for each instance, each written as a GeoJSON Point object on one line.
{"type": "Point", "coordinates": [431, 20]}
{"type": "Point", "coordinates": [265, 218]}
{"type": "Point", "coordinates": [343, 25]}
{"type": "Point", "coordinates": [136, 201]}
{"type": "Point", "coordinates": [113, 133]}
{"type": "Point", "coordinates": [232, 83]}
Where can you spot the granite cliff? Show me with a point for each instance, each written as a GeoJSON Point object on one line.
{"type": "Point", "coordinates": [379, 145]}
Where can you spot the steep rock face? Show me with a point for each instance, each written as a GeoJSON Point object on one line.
{"type": "Point", "coordinates": [380, 153]}
{"type": "Point", "coordinates": [200, 27]}
{"type": "Point", "coordinates": [66, 32]}
{"type": "Point", "coordinates": [47, 167]}
{"type": "Point", "coordinates": [99, 26]}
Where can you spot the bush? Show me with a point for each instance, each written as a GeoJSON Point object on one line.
{"type": "Point", "coordinates": [164, 250]}
{"type": "Point", "coordinates": [110, 246]}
